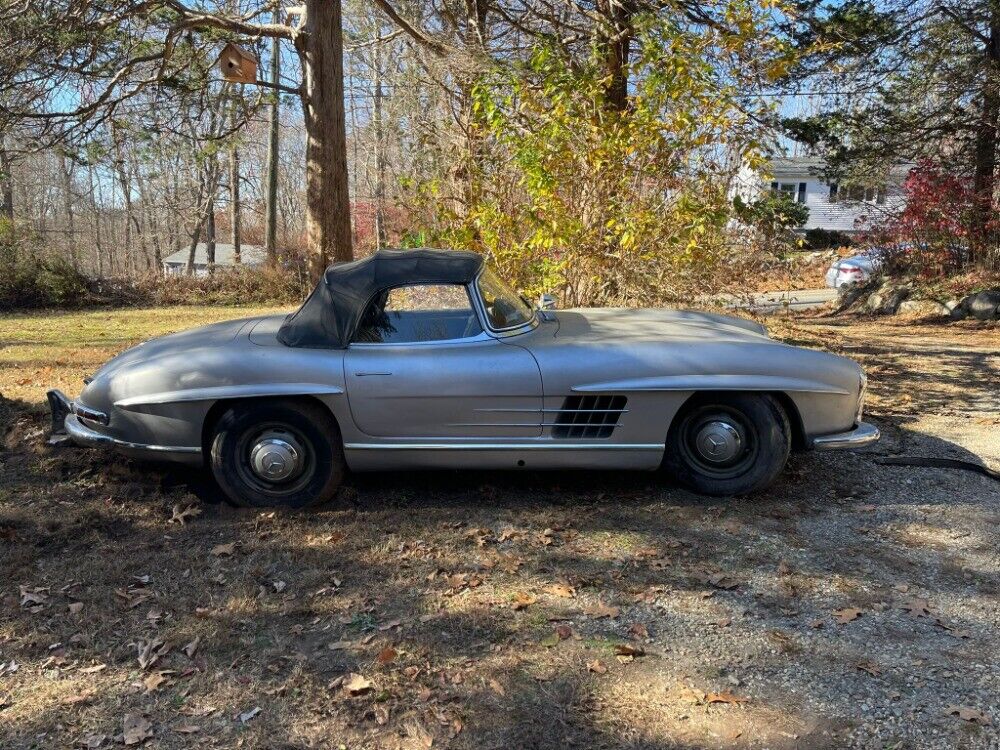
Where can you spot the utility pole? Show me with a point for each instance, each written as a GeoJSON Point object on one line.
{"type": "Point", "coordinates": [271, 211]}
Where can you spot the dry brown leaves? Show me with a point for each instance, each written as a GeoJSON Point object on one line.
{"type": "Point", "coordinates": [847, 614]}
{"type": "Point", "coordinates": [523, 601]}
{"type": "Point", "coordinates": [725, 697]}
{"type": "Point", "coordinates": [597, 667]}
{"type": "Point", "coordinates": [917, 607]}
{"type": "Point", "coordinates": [181, 515]}
{"type": "Point", "coordinates": [971, 715]}
{"type": "Point", "coordinates": [600, 610]}
{"type": "Point", "coordinates": [136, 729]}
{"type": "Point", "coordinates": [870, 667]}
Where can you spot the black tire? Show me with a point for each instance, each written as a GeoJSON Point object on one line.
{"type": "Point", "coordinates": [753, 428]}
{"type": "Point", "coordinates": [296, 437]}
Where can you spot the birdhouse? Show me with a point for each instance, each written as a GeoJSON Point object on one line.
{"type": "Point", "coordinates": [238, 65]}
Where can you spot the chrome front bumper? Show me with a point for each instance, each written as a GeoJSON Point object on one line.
{"type": "Point", "coordinates": [863, 434]}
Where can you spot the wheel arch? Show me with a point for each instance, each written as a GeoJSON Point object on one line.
{"type": "Point", "coordinates": [784, 400]}
{"type": "Point", "coordinates": [217, 409]}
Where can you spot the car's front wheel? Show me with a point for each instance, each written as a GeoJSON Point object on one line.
{"type": "Point", "coordinates": [277, 453]}
{"type": "Point", "coordinates": [728, 443]}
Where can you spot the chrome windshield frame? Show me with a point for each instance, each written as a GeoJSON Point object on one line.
{"type": "Point", "coordinates": [480, 304]}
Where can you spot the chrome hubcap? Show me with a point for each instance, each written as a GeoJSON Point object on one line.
{"type": "Point", "coordinates": [276, 457]}
{"type": "Point", "coordinates": [718, 442]}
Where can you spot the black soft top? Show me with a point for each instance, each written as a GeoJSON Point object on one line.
{"type": "Point", "coordinates": [329, 316]}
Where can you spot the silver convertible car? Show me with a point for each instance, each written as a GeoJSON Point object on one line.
{"type": "Point", "coordinates": [426, 359]}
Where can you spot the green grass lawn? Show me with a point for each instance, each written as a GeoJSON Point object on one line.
{"type": "Point", "coordinates": [56, 349]}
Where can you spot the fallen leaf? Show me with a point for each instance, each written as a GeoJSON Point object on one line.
{"type": "Point", "coordinates": [386, 655]}
{"type": "Point", "coordinates": [339, 645]}
{"type": "Point", "coordinates": [847, 614]}
{"type": "Point", "coordinates": [917, 607]}
{"type": "Point", "coordinates": [564, 632]}
{"type": "Point", "coordinates": [192, 648]}
{"type": "Point", "coordinates": [185, 728]}
{"type": "Point", "coordinates": [137, 729]}
{"type": "Point", "coordinates": [248, 715]}
{"type": "Point", "coordinates": [357, 684]}
{"type": "Point", "coordinates": [602, 610]}
{"type": "Point", "coordinates": [629, 649]}
{"type": "Point", "coordinates": [597, 667]}
{"type": "Point", "coordinates": [33, 597]}
{"type": "Point", "coordinates": [562, 590]}
{"type": "Point", "coordinates": [638, 630]}
{"type": "Point", "coordinates": [523, 601]}
{"type": "Point", "coordinates": [784, 568]}
{"type": "Point", "coordinates": [725, 697]}
{"type": "Point", "coordinates": [73, 700]}
{"type": "Point", "coordinates": [816, 624]}
{"type": "Point", "coordinates": [94, 669]}
{"type": "Point", "coordinates": [724, 622]}
{"type": "Point", "coordinates": [390, 625]}
{"type": "Point", "coordinates": [157, 680]}
{"type": "Point", "coordinates": [75, 608]}
{"type": "Point", "coordinates": [870, 667]}
{"type": "Point", "coordinates": [223, 550]}
{"type": "Point", "coordinates": [181, 515]}
{"type": "Point", "coordinates": [972, 715]}
{"type": "Point", "coordinates": [722, 581]}
{"type": "Point", "coordinates": [496, 687]}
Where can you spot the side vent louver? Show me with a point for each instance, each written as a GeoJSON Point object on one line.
{"type": "Point", "coordinates": [588, 416]}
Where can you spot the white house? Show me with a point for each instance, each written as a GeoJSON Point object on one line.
{"type": "Point", "coordinates": [832, 206]}
{"type": "Point", "coordinates": [251, 256]}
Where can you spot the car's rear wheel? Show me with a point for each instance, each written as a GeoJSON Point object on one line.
{"type": "Point", "coordinates": [277, 453]}
{"type": "Point", "coordinates": [728, 443]}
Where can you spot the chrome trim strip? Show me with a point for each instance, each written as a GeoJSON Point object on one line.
{"type": "Point", "coordinates": [711, 382]}
{"type": "Point", "coordinates": [215, 393]}
{"type": "Point", "coordinates": [531, 424]}
{"type": "Point", "coordinates": [88, 438]}
{"type": "Point", "coordinates": [863, 434]}
{"type": "Point", "coordinates": [559, 411]}
{"type": "Point", "coordinates": [561, 446]}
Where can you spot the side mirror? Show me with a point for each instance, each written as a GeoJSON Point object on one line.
{"type": "Point", "coordinates": [547, 302]}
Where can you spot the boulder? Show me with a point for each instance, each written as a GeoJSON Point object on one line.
{"type": "Point", "coordinates": [887, 298]}
{"type": "Point", "coordinates": [923, 308]}
{"type": "Point", "coordinates": [983, 305]}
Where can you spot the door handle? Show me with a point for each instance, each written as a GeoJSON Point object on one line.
{"type": "Point", "coordinates": [367, 374]}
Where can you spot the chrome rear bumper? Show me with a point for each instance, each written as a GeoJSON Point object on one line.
{"type": "Point", "coordinates": [863, 434]}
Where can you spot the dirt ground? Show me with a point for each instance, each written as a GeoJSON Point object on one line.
{"type": "Point", "coordinates": [851, 605]}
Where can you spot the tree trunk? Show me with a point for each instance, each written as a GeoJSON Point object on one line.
{"type": "Point", "coordinates": [614, 39]}
{"type": "Point", "coordinates": [6, 183]}
{"type": "Point", "coordinates": [66, 173]}
{"type": "Point", "coordinates": [193, 247]}
{"type": "Point", "coordinates": [328, 204]}
{"type": "Point", "coordinates": [210, 235]}
{"type": "Point", "coordinates": [271, 203]}
{"type": "Point", "coordinates": [984, 237]}
{"type": "Point", "coordinates": [381, 234]}
{"type": "Point", "coordinates": [235, 214]}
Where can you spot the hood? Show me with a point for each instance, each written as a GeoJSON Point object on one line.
{"type": "Point", "coordinates": [621, 324]}
{"type": "Point", "coordinates": [196, 338]}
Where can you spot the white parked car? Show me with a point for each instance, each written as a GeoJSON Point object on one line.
{"type": "Point", "coordinates": [857, 268]}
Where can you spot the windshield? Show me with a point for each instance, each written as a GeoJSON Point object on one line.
{"type": "Point", "coordinates": [504, 309]}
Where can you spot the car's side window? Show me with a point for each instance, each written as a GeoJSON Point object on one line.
{"type": "Point", "coordinates": [418, 313]}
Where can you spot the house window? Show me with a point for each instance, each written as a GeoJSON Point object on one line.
{"type": "Point", "coordinates": [793, 191]}
{"type": "Point", "coordinates": [858, 194]}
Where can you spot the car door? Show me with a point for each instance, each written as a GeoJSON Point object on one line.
{"type": "Point", "coordinates": [421, 366]}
